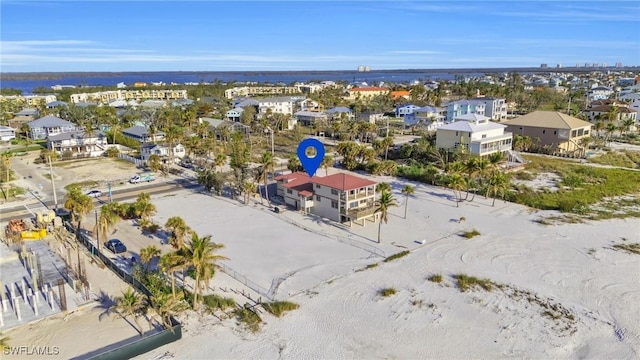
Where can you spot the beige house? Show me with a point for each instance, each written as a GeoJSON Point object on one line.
{"type": "Point", "coordinates": [339, 197]}
{"type": "Point", "coordinates": [474, 133]}
{"type": "Point", "coordinates": [366, 93]}
{"type": "Point", "coordinates": [561, 132]}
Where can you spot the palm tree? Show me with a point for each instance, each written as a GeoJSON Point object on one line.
{"type": "Point", "coordinates": [170, 263]}
{"type": "Point", "coordinates": [407, 190]}
{"type": "Point", "coordinates": [385, 202]}
{"type": "Point", "coordinates": [268, 164]}
{"type": "Point", "coordinates": [294, 163]}
{"type": "Point", "coordinates": [130, 304]}
{"type": "Point", "coordinates": [79, 205]}
{"type": "Point", "coordinates": [148, 253]}
{"type": "Point", "coordinates": [456, 183]}
{"type": "Point", "coordinates": [219, 161]}
{"type": "Point", "coordinates": [383, 187]}
{"type": "Point", "coordinates": [200, 253]}
{"type": "Point", "coordinates": [144, 209]}
{"type": "Point", "coordinates": [387, 142]}
{"type": "Point", "coordinates": [249, 188]}
{"type": "Point", "coordinates": [327, 161]}
{"type": "Point", "coordinates": [498, 184]}
{"type": "Point", "coordinates": [165, 306]}
{"type": "Point", "coordinates": [109, 217]}
{"type": "Point", "coordinates": [179, 230]}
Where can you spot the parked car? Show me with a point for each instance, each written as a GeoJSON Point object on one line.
{"type": "Point", "coordinates": [95, 193]}
{"type": "Point", "coordinates": [116, 246]}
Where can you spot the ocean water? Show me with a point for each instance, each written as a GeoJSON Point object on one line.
{"type": "Point", "coordinates": [263, 77]}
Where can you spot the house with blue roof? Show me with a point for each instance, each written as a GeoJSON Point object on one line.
{"type": "Point", "coordinates": [44, 127]}
{"type": "Point", "coordinates": [143, 134]}
{"type": "Point", "coordinates": [78, 143]}
{"type": "Point", "coordinates": [463, 107]}
{"type": "Point", "coordinates": [234, 114]}
{"type": "Point", "coordinates": [338, 111]}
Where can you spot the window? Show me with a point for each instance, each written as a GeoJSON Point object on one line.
{"type": "Point", "coordinates": [353, 205]}
{"type": "Point", "coordinates": [586, 131]}
{"type": "Point", "coordinates": [555, 132]}
{"type": "Point", "coordinates": [334, 204]}
{"type": "Point", "coordinates": [318, 186]}
{"type": "Point", "coordinates": [289, 191]}
{"type": "Point", "coordinates": [334, 192]}
{"type": "Point", "coordinates": [484, 136]}
{"type": "Point", "coordinates": [543, 131]}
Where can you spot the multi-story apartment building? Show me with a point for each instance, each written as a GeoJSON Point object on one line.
{"type": "Point", "coordinates": [494, 108]}
{"type": "Point", "coordinates": [474, 133]}
{"type": "Point", "coordinates": [106, 97]}
{"type": "Point", "coordinates": [462, 107]}
{"type": "Point", "coordinates": [261, 90]}
{"type": "Point", "coordinates": [279, 105]}
{"type": "Point", "coordinates": [339, 197]}
{"type": "Point", "coordinates": [30, 100]}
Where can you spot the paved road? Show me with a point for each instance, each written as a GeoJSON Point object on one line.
{"type": "Point", "coordinates": [119, 195]}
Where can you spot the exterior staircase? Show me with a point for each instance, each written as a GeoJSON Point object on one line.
{"type": "Point", "coordinates": [514, 156]}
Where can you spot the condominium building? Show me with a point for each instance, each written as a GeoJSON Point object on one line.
{"type": "Point", "coordinates": [106, 97]}
{"type": "Point", "coordinates": [30, 100]}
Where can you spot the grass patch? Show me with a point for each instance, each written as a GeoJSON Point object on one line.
{"type": "Point", "coordinates": [371, 266]}
{"type": "Point", "coordinates": [470, 234]}
{"type": "Point", "coordinates": [82, 185]}
{"type": "Point", "coordinates": [524, 175]}
{"type": "Point", "coordinates": [437, 278]}
{"type": "Point", "coordinates": [387, 292]}
{"type": "Point", "coordinates": [630, 248]}
{"type": "Point", "coordinates": [595, 185]}
{"type": "Point", "coordinates": [278, 308]}
{"type": "Point", "coordinates": [625, 158]}
{"type": "Point", "coordinates": [466, 282]}
{"type": "Point", "coordinates": [215, 302]}
{"type": "Point", "coordinates": [249, 318]}
{"type": "Point", "coordinates": [397, 256]}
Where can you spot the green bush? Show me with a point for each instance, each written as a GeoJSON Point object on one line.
{"type": "Point", "coordinates": [397, 256]}
{"type": "Point", "coordinates": [215, 302]}
{"type": "Point", "coordinates": [387, 292]}
{"type": "Point", "coordinates": [278, 308]}
{"type": "Point", "coordinates": [466, 282]}
{"type": "Point", "coordinates": [470, 234]}
{"type": "Point", "coordinates": [437, 278]}
{"type": "Point", "coordinates": [249, 318]}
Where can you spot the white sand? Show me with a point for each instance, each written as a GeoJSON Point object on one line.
{"type": "Point", "coordinates": [346, 318]}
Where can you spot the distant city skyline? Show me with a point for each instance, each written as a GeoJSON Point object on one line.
{"type": "Point", "coordinates": [39, 36]}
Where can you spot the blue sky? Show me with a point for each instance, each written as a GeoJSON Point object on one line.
{"type": "Point", "coordinates": [313, 35]}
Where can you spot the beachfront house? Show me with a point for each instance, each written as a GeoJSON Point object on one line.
{"type": "Point", "coordinates": [561, 133]}
{"type": "Point", "coordinates": [7, 133]}
{"type": "Point", "coordinates": [44, 127]}
{"type": "Point", "coordinates": [339, 197]}
{"type": "Point", "coordinates": [78, 143]}
{"type": "Point", "coordinates": [475, 134]}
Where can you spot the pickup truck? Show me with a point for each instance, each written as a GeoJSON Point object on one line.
{"type": "Point", "coordinates": [142, 177]}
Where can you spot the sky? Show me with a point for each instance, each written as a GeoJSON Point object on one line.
{"type": "Point", "coordinates": [39, 36]}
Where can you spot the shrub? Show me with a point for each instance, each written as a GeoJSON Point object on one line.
{"type": "Point", "coordinates": [249, 319]}
{"type": "Point", "coordinates": [387, 292]}
{"type": "Point", "coordinates": [215, 302]}
{"type": "Point", "coordinates": [397, 256]}
{"type": "Point", "coordinates": [466, 282]}
{"type": "Point", "coordinates": [470, 234]}
{"type": "Point", "coordinates": [437, 278]}
{"type": "Point", "coordinates": [278, 308]}
{"type": "Point", "coordinates": [630, 248]}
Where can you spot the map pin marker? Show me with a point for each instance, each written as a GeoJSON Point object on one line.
{"type": "Point", "coordinates": [310, 164]}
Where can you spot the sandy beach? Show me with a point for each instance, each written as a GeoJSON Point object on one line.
{"type": "Point", "coordinates": [559, 291]}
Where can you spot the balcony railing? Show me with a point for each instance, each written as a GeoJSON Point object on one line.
{"type": "Point", "coordinates": [359, 213]}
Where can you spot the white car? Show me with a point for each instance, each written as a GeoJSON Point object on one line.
{"type": "Point", "coordinates": [95, 193]}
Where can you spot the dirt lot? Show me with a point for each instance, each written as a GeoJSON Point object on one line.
{"type": "Point", "coordinates": [102, 170]}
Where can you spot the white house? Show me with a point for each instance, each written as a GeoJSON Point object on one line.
{"type": "Point", "coordinates": [463, 107]}
{"type": "Point", "coordinates": [430, 116]}
{"type": "Point", "coordinates": [49, 125]}
{"type": "Point", "coordinates": [599, 93]}
{"type": "Point", "coordinates": [78, 142]}
{"type": "Point", "coordinates": [474, 133]}
{"type": "Point", "coordinates": [7, 133]}
{"type": "Point", "coordinates": [494, 108]}
{"type": "Point", "coordinates": [146, 150]}
{"type": "Point", "coordinates": [277, 105]}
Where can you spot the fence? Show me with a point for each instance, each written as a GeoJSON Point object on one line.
{"type": "Point", "coordinates": [129, 158]}
{"type": "Point", "coordinates": [248, 283]}
{"type": "Point", "coordinates": [127, 349]}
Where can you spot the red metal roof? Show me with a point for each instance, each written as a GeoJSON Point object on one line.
{"type": "Point", "coordinates": [341, 181]}
{"type": "Point", "coordinates": [305, 193]}
{"type": "Point", "coordinates": [294, 179]}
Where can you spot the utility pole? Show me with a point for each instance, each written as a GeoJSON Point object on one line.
{"type": "Point", "coordinates": [272, 151]}
{"type": "Point", "coordinates": [53, 186]}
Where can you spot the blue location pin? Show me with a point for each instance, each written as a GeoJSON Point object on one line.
{"type": "Point", "coordinates": [310, 164]}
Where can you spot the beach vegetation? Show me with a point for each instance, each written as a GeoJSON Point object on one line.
{"type": "Point", "coordinates": [215, 302]}
{"type": "Point", "coordinates": [436, 278]}
{"type": "Point", "coordinates": [397, 256]}
{"type": "Point", "coordinates": [623, 158]}
{"type": "Point", "coordinates": [386, 292]}
{"type": "Point", "coordinates": [470, 234]}
{"type": "Point", "coordinates": [630, 248]}
{"type": "Point", "coordinates": [279, 308]}
{"type": "Point", "coordinates": [466, 282]}
{"type": "Point", "coordinates": [249, 319]}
